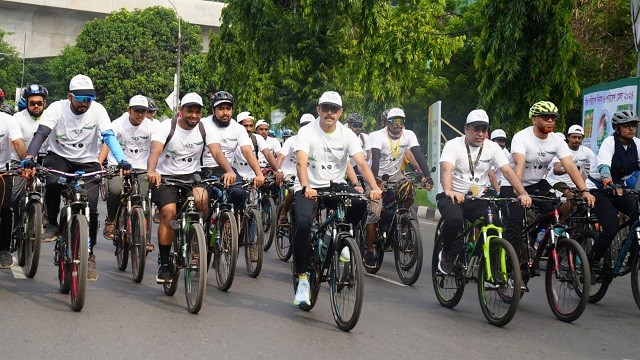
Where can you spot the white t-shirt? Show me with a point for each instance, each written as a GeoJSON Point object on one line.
{"type": "Point", "coordinates": [502, 181]}
{"type": "Point", "coordinates": [455, 152]}
{"type": "Point", "coordinates": [289, 162]}
{"type": "Point", "coordinates": [75, 137]}
{"type": "Point", "coordinates": [605, 154]}
{"type": "Point", "coordinates": [365, 142]}
{"type": "Point", "coordinates": [240, 162]}
{"type": "Point", "coordinates": [328, 153]}
{"type": "Point", "coordinates": [135, 140]}
{"type": "Point", "coordinates": [273, 145]}
{"type": "Point", "coordinates": [181, 155]}
{"type": "Point", "coordinates": [538, 153]}
{"type": "Point", "coordinates": [8, 133]}
{"type": "Point", "coordinates": [28, 127]}
{"type": "Point", "coordinates": [581, 157]}
{"type": "Point", "coordinates": [391, 151]}
{"type": "Point", "coordinates": [231, 137]}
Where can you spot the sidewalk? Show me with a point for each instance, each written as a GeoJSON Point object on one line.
{"type": "Point", "coordinates": [427, 213]}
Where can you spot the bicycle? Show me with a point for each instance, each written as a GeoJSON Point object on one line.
{"type": "Point", "coordinates": [567, 273]}
{"type": "Point", "coordinates": [622, 257]}
{"type": "Point", "coordinates": [398, 231]}
{"type": "Point", "coordinates": [133, 227]}
{"type": "Point", "coordinates": [284, 234]}
{"type": "Point", "coordinates": [251, 234]}
{"type": "Point", "coordinates": [27, 242]}
{"type": "Point", "coordinates": [484, 257]}
{"type": "Point", "coordinates": [223, 235]}
{"type": "Point", "coordinates": [187, 247]}
{"type": "Point", "coordinates": [268, 208]}
{"type": "Point", "coordinates": [345, 278]}
{"type": "Point", "coordinates": [71, 251]}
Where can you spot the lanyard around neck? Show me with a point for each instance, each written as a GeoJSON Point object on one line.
{"type": "Point", "coordinates": [472, 165]}
{"type": "Point", "coordinates": [394, 149]}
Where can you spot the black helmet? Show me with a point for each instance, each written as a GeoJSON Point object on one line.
{"type": "Point", "coordinates": [287, 133]}
{"type": "Point", "coordinates": [623, 117]}
{"type": "Point", "coordinates": [22, 104]}
{"type": "Point", "coordinates": [152, 104]}
{"type": "Point", "coordinates": [6, 109]}
{"type": "Point", "coordinates": [35, 90]}
{"type": "Point", "coordinates": [355, 118]}
{"type": "Point", "coordinates": [221, 97]}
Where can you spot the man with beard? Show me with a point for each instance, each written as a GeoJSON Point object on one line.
{"type": "Point", "coordinates": [260, 148]}
{"type": "Point", "coordinates": [176, 149]}
{"type": "Point", "coordinates": [271, 143]}
{"type": "Point", "coordinates": [74, 127]}
{"type": "Point", "coordinates": [533, 149]}
{"type": "Point", "coordinates": [355, 122]}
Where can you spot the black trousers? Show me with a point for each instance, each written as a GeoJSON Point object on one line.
{"type": "Point", "coordinates": [305, 212]}
{"type": "Point", "coordinates": [606, 210]}
{"type": "Point", "coordinates": [6, 218]}
{"type": "Point", "coordinates": [454, 215]}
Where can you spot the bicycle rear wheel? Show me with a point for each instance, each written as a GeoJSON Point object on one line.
{"type": "Point", "coordinates": [121, 234]}
{"type": "Point", "coordinates": [503, 282]}
{"type": "Point", "coordinates": [314, 285]}
{"type": "Point", "coordinates": [408, 251]}
{"type": "Point", "coordinates": [138, 243]}
{"type": "Point", "coordinates": [226, 251]}
{"type": "Point", "coordinates": [346, 283]}
{"type": "Point", "coordinates": [567, 282]}
{"type": "Point", "coordinates": [171, 287]}
{"type": "Point", "coordinates": [597, 289]}
{"type": "Point", "coordinates": [79, 246]}
{"type": "Point", "coordinates": [31, 234]}
{"type": "Point", "coordinates": [448, 287]}
{"type": "Point", "coordinates": [253, 240]}
{"type": "Point", "coordinates": [195, 271]}
{"type": "Point", "coordinates": [284, 237]}
{"type": "Point", "coordinates": [62, 258]}
{"type": "Point", "coordinates": [269, 220]}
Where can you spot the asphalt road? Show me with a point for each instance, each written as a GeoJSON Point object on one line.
{"type": "Point", "coordinates": [255, 319]}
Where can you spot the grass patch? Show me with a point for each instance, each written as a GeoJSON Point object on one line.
{"type": "Point", "coordinates": [422, 198]}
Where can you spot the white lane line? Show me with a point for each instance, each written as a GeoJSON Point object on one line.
{"type": "Point", "coordinates": [17, 270]}
{"type": "Point", "coordinates": [385, 279]}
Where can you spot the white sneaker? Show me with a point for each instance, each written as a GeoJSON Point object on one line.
{"type": "Point", "coordinates": [302, 294]}
{"type": "Point", "coordinates": [345, 255]}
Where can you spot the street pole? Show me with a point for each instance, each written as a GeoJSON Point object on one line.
{"type": "Point", "coordinates": [24, 55]}
{"type": "Point", "coordinates": [177, 80]}
{"type": "Point", "coordinates": [635, 23]}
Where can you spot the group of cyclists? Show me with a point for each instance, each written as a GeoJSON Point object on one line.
{"type": "Point", "coordinates": [76, 134]}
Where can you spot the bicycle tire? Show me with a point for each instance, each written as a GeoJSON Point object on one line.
{"type": "Point", "coordinates": [138, 243]}
{"type": "Point", "coordinates": [346, 283]}
{"type": "Point", "coordinates": [408, 251]}
{"type": "Point", "coordinates": [171, 287]}
{"type": "Point", "coordinates": [598, 289]}
{"type": "Point", "coordinates": [506, 283]}
{"type": "Point", "coordinates": [121, 235]}
{"type": "Point", "coordinates": [269, 220]}
{"type": "Point", "coordinates": [64, 272]}
{"type": "Point", "coordinates": [284, 237]}
{"type": "Point", "coordinates": [447, 287]}
{"type": "Point", "coordinates": [635, 281]}
{"type": "Point", "coordinates": [226, 251]}
{"type": "Point", "coordinates": [568, 288]}
{"type": "Point", "coordinates": [19, 236]}
{"type": "Point", "coordinates": [195, 270]}
{"type": "Point", "coordinates": [254, 243]}
{"type": "Point", "coordinates": [103, 189]}
{"type": "Point", "coordinates": [314, 286]}
{"type": "Point", "coordinates": [79, 244]}
{"type": "Point", "coordinates": [31, 238]}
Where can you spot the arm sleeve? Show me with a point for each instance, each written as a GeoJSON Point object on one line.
{"type": "Point", "coordinates": [38, 138]}
{"type": "Point", "coordinates": [109, 138]}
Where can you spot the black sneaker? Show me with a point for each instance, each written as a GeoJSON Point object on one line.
{"type": "Point", "coordinates": [369, 259]}
{"type": "Point", "coordinates": [445, 262]}
{"type": "Point", "coordinates": [164, 274]}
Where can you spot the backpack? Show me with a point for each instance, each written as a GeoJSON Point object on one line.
{"type": "Point", "coordinates": [174, 123]}
{"type": "Point", "coordinates": [255, 144]}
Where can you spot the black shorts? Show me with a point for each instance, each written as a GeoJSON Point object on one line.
{"type": "Point", "coordinates": [164, 194]}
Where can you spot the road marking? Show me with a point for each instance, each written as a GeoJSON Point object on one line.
{"type": "Point", "coordinates": [385, 279]}
{"type": "Point", "coordinates": [17, 270]}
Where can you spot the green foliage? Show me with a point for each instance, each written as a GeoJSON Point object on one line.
{"type": "Point", "coordinates": [10, 67]}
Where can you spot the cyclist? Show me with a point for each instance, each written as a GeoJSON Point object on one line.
{"type": "Point", "coordinates": [388, 147]}
{"type": "Point", "coordinates": [271, 143]}
{"type": "Point", "coordinates": [464, 169]}
{"type": "Point", "coordinates": [73, 127]}
{"type": "Point", "coordinates": [533, 150]}
{"type": "Point", "coordinates": [322, 152]}
{"type": "Point", "coordinates": [152, 110]}
{"type": "Point", "coordinates": [4, 107]}
{"type": "Point", "coordinates": [176, 149]}
{"type": "Point", "coordinates": [286, 134]}
{"type": "Point", "coordinates": [286, 158]}
{"type": "Point", "coordinates": [133, 132]}
{"type": "Point", "coordinates": [617, 159]}
{"type": "Point", "coordinates": [260, 149]}
{"type": "Point", "coordinates": [232, 136]}
{"type": "Point", "coordinates": [495, 176]}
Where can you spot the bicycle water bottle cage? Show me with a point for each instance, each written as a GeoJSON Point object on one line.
{"type": "Point", "coordinates": [80, 172]}
{"type": "Point", "coordinates": [174, 225]}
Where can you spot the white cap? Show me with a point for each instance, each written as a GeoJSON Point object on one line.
{"type": "Point", "coordinates": [191, 99]}
{"type": "Point", "coordinates": [478, 116]}
{"type": "Point", "coordinates": [306, 118]}
{"type": "Point", "coordinates": [261, 122]}
{"type": "Point", "coordinates": [244, 116]}
{"type": "Point", "coordinates": [81, 85]}
{"type": "Point", "coordinates": [560, 136]}
{"type": "Point", "coordinates": [330, 97]}
{"type": "Point", "coordinates": [139, 102]}
{"type": "Point", "coordinates": [394, 113]}
{"type": "Point", "coordinates": [498, 134]}
{"type": "Point", "coordinates": [575, 129]}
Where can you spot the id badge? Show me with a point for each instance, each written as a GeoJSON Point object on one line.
{"type": "Point", "coordinates": [474, 190]}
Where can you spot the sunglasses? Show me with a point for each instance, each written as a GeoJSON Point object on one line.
{"type": "Point", "coordinates": [139, 111]}
{"type": "Point", "coordinates": [396, 121]}
{"type": "Point", "coordinates": [329, 108]}
{"type": "Point", "coordinates": [82, 99]}
{"type": "Point", "coordinates": [356, 125]}
{"type": "Point", "coordinates": [481, 128]}
{"type": "Point", "coordinates": [36, 103]}
{"type": "Point", "coordinates": [548, 118]}
{"type": "Point", "coordinates": [151, 111]}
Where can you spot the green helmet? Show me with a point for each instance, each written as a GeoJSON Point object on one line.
{"type": "Point", "coordinates": [543, 108]}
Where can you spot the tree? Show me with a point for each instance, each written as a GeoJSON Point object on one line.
{"type": "Point", "coordinates": [10, 67]}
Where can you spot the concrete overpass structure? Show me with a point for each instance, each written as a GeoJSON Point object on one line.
{"type": "Point", "coordinates": [46, 26]}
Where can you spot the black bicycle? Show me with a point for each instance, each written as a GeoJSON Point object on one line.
{"type": "Point", "coordinates": [27, 240]}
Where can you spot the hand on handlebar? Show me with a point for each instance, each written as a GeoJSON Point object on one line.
{"type": "Point", "coordinates": [310, 193]}
{"type": "Point", "coordinates": [455, 197]}
{"type": "Point", "coordinates": [229, 178]}
{"type": "Point", "coordinates": [525, 200]}
{"type": "Point", "coordinates": [375, 194]}
{"type": "Point", "coordinates": [258, 180]}
{"type": "Point", "coordinates": [154, 178]}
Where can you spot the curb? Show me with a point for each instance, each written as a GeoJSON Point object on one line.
{"type": "Point", "coordinates": [427, 213]}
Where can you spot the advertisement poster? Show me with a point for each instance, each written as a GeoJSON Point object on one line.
{"type": "Point", "coordinates": [600, 105]}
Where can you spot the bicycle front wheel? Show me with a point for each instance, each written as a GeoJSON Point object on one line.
{"type": "Point", "coordinates": [253, 240]}
{"type": "Point", "coordinates": [138, 243]}
{"type": "Point", "coordinates": [408, 251]}
{"type": "Point", "coordinates": [568, 281]}
{"type": "Point", "coordinates": [79, 246]}
{"type": "Point", "coordinates": [635, 281]}
{"type": "Point", "coordinates": [448, 287]}
{"type": "Point", "coordinates": [226, 251]}
{"type": "Point", "coordinates": [346, 283]}
{"type": "Point", "coordinates": [269, 220]}
{"type": "Point", "coordinates": [31, 234]}
{"type": "Point", "coordinates": [121, 235]}
{"type": "Point", "coordinates": [284, 237]}
{"type": "Point", "coordinates": [195, 272]}
{"type": "Point", "coordinates": [499, 283]}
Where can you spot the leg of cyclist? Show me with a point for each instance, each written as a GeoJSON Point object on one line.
{"type": "Point", "coordinates": [305, 210]}
{"type": "Point", "coordinates": [285, 208]}
{"type": "Point", "coordinates": [93, 191]}
{"type": "Point", "coordinates": [52, 194]}
{"type": "Point", "coordinates": [374, 208]}
{"type": "Point", "coordinates": [6, 220]}
{"type": "Point", "coordinates": [114, 191]}
{"type": "Point", "coordinates": [165, 199]}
